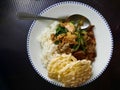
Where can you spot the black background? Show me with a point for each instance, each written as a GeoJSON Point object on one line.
{"type": "Point", "coordinates": [16, 71]}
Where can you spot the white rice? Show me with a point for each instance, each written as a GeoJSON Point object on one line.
{"type": "Point", "coordinates": [48, 48]}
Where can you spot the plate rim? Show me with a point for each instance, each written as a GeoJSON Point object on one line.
{"type": "Point", "coordinates": [78, 3]}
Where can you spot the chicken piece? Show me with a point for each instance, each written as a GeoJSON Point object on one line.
{"type": "Point", "coordinates": [60, 37]}
{"type": "Point", "coordinates": [70, 38]}
{"type": "Point", "coordinates": [69, 26]}
{"type": "Point", "coordinates": [66, 41]}
{"type": "Point", "coordinates": [65, 48]}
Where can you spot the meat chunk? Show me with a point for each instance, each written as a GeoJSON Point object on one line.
{"type": "Point", "coordinates": [79, 55]}
{"type": "Point", "coordinates": [69, 26]}
{"type": "Point", "coordinates": [91, 56]}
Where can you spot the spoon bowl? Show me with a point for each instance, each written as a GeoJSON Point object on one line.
{"type": "Point", "coordinates": [82, 20]}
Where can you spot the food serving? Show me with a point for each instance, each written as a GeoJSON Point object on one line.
{"type": "Point", "coordinates": [68, 52]}
{"type": "Point", "coordinates": [55, 65]}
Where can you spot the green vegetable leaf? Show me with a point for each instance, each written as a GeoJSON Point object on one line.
{"type": "Point", "coordinates": [81, 42]}
{"type": "Point", "coordinates": [73, 22]}
{"type": "Point", "coordinates": [57, 42]}
{"type": "Point", "coordinates": [76, 47]}
{"type": "Point", "coordinates": [61, 30]}
{"type": "Point", "coordinates": [83, 32]}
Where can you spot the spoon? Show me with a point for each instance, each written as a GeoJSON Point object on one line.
{"type": "Point", "coordinates": [75, 18]}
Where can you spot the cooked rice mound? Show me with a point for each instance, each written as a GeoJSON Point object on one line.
{"type": "Point", "coordinates": [70, 71]}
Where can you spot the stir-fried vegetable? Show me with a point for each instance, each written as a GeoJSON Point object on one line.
{"type": "Point", "coordinates": [76, 47]}
{"type": "Point", "coordinates": [60, 30]}
{"type": "Point", "coordinates": [70, 38]}
{"type": "Point", "coordinates": [57, 42]}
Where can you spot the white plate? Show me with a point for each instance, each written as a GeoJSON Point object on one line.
{"type": "Point", "coordinates": [102, 33]}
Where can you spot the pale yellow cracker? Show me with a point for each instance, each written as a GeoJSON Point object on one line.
{"type": "Point", "coordinates": [58, 63]}
{"type": "Point", "coordinates": [76, 73]}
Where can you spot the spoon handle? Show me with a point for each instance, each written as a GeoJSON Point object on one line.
{"type": "Point", "coordinates": [28, 16]}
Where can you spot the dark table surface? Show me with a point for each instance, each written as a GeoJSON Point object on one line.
{"type": "Point", "coordinates": [16, 71]}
